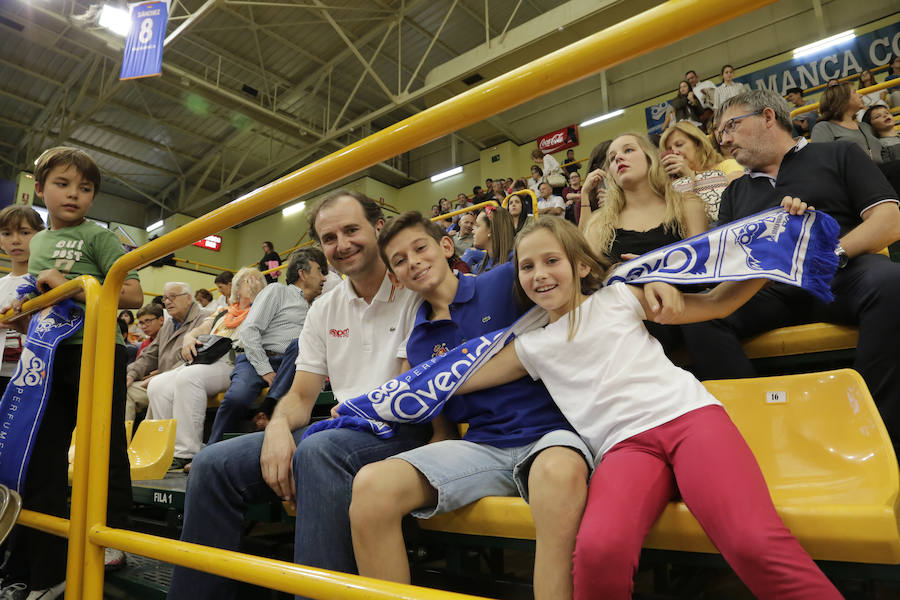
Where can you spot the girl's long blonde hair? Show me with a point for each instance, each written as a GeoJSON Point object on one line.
{"type": "Point", "coordinates": [577, 250]}
{"type": "Point", "coordinates": [600, 229]}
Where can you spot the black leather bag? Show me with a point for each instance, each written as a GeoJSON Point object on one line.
{"type": "Point", "coordinates": [212, 349]}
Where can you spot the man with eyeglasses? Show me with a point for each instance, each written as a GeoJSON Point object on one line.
{"type": "Point", "coordinates": [164, 352]}
{"type": "Point", "coordinates": [839, 179]}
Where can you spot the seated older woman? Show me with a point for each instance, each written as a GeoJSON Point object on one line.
{"type": "Point", "coordinates": [837, 121]}
{"type": "Point", "coordinates": [696, 166]}
{"type": "Point", "coordinates": [182, 392]}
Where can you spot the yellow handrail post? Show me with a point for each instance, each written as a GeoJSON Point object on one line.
{"type": "Point", "coordinates": [100, 426]}
{"type": "Point", "coordinates": [625, 40]}
{"type": "Point", "coordinates": [74, 528]}
{"type": "Point", "coordinates": [83, 432]}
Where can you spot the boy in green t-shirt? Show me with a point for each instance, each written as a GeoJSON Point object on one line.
{"type": "Point", "coordinates": [67, 180]}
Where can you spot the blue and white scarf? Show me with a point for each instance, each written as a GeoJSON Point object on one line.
{"type": "Point", "coordinates": [25, 399]}
{"type": "Point", "coordinates": [797, 250]}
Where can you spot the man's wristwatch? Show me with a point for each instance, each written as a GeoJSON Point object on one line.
{"type": "Point", "coordinates": [843, 257]}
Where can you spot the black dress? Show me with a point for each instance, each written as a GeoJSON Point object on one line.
{"type": "Point", "coordinates": [640, 242]}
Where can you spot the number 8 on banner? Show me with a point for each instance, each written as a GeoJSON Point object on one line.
{"type": "Point", "coordinates": [142, 55]}
{"type": "Point", "coordinates": [146, 31]}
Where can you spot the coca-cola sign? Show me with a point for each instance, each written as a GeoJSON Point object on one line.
{"type": "Point", "coordinates": [561, 139]}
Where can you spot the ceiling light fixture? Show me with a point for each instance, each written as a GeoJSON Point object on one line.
{"type": "Point", "coordinates": [446, 174]}
{"type": "Point", "coordinates": [293, 209]}
{"type": "Point", "coordinates": [117, 20]}
{"type": "Point", "coordinates": [816, 47]}
{"type": "Point", "coordinates": [609, 115]}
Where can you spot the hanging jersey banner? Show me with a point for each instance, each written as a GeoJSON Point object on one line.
{"type": "Point", "coordinates": [144, 45]}
{"type": "Point", "coordinates": [25, 399]}
{"type": "Point", "coordinates": [798, 250]}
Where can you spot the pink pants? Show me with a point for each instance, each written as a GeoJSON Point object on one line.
{"type": "Point", "coordinates": [720, 482]}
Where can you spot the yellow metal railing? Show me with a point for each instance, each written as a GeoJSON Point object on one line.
{"type": "Point", "coordinates": [204, 265]}
{"type": "Point", "coordinates": [472, 208]}
{"type": "Point", "coordinates": [630, 38]}
{"type": "Point", "coordinates": [874, 88]}
{"type": "Point", "coordinates": [74, 528]}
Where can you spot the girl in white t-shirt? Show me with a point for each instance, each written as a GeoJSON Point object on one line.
{"type": "Point", "coordinates": [653, 428]}
{"type": "Point", "coordinates": [18, 224]}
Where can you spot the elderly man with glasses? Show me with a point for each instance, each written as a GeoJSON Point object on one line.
{"type": "Point", "coordinates": [164, 352]}
{"type": "Point", "coordinates": [836, 178]}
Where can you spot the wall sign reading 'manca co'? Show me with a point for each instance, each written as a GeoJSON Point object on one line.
{"type": "Point", "coordinates": [866, 51]}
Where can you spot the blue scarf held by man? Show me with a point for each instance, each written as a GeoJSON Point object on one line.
{"type": "Point", "coordinates": [797, 250]}
{"type": "Point", "coordinates": [25, 399]}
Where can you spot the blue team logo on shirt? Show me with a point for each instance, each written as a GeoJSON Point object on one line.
{"type": "Point", "coordinates": [439, 350]}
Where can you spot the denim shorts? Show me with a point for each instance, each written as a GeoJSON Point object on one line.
{"type": "Point", "coordinates": [463, 472]}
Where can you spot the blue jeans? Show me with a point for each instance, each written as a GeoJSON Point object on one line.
{"type": "Point", "coordinates": [226, 477]}
{"type": "Point", "coordinates": [243, 390]}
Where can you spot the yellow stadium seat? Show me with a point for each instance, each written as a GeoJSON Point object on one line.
{"type": "Point", "coordinates": [152, 449]}
{"type": "Point", "coordinates": [801, 339]}
{"type": "Point", "coordinates": [824, 451]}
{"type": "Point", "coordinates": [129, 426]}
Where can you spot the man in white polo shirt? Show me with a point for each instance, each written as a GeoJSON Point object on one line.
{"type": "Point", "coordinates": [355, 335]}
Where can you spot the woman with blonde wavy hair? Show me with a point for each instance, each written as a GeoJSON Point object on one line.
{"type": "Point", "coordinates": [642, 210]}
{"type": "Point", "coordinates": [696, 166]}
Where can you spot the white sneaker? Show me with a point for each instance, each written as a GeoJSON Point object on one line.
{"type": "Point", "coordinates": [51, 593]}
{"type": "Point", "coordinates": [113, 559]}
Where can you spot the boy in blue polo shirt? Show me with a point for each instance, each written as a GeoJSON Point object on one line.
{"type": "Point", "coordinates": [518, 443]}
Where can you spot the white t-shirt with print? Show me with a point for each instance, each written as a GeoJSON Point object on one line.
{"type": "Point", "coordinates": [615, 381]}
{"type": "Point", "coordinates": [357, 345]}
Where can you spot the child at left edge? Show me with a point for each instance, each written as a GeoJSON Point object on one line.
{"type": "Point", "coordinates": [67, 180]}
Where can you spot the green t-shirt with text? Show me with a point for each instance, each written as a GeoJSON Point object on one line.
{"type": "Point", "coordinates": [85, 249]}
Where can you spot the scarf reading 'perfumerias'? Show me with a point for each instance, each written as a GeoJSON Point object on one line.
{"type": "Point", "coordinates": [797, 250]}
{"type": "Point", "coordinates": [23, 404]}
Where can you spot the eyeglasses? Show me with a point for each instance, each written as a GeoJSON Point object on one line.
{"type": "Point", "coordinates": [171, 297]}
{"type": "Point", "coordinates": [147, 322]}
{"type": "Point", "coordinates": [731, 124]}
